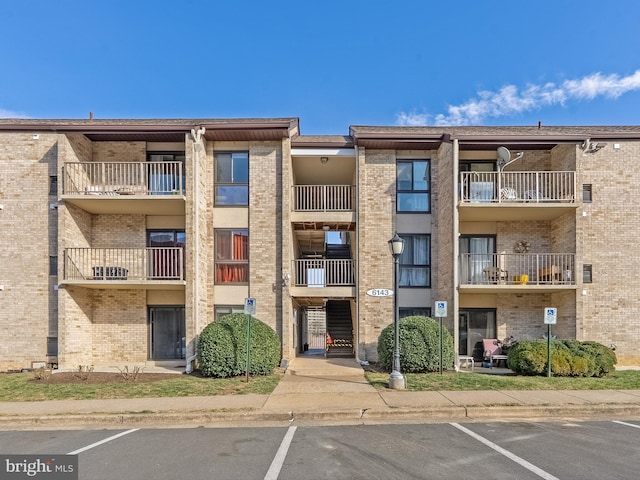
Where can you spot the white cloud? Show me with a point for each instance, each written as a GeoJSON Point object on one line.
{"type": "Point", "coordinates": [510, 100]}
{"type": "Point", "coordinates": [9, 114]}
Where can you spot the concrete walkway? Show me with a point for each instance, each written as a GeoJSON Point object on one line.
{"type": "Point", "coordinates": [315, 390]}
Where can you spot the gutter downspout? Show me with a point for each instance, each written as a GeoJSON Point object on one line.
{"type": "Point", "coordinates": [456, 253]}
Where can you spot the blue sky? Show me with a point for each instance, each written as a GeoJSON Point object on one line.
{"type": "Point", "coordinates": [332, 63]}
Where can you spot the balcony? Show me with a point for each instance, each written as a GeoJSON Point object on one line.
{"type": "Point", "coordinates": [149, 268]}
{"type": "Point", "coordinates": [323, 203]}
{"type": "Point", "coordinates": [486, 273]}
{"type": "Point", "coordinates": [125, 187]}
{"type": "Point", "coordinates": [512, 196]}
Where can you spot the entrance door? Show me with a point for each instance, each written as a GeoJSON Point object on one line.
{"type": "Point", "coordinates": [476, 324]}
{"type": "Point", "coordinates": [315, 329]}
{"type": "Point", "coordinates": [167, 333]}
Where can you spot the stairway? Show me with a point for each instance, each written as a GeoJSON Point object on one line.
{"type": "Point", "coordinates": [340, 328]}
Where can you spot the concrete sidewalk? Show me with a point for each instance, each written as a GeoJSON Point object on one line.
{"type": "Point", "coordinates": [315, 390]}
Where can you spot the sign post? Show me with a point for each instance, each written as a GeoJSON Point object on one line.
{"type": "Point", "coordinates": [550, 318]}
{"type": "Point", "coordinates": [249, 309]}
{"type": "Point", "coordinates": [441, 311]}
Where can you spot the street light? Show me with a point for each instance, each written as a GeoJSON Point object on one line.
{"type": "Point", "coordinates": [396, 380]}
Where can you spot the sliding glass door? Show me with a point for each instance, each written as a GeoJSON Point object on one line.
{"type": "Point", "coordinates": [476, 254]}
{"type": "Point", "coordinates": [475, 324]}
{"type": "Point", "coordinates": [167, 333]}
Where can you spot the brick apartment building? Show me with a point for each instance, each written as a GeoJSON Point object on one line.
{"type": "Point", "coordinates": [125, 238]}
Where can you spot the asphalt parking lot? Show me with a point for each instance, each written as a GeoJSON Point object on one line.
{"type": "Point", "coordinates": [498, 450]}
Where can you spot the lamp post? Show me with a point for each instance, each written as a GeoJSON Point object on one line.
{"type": "Point", "coordinates": [396, 380]}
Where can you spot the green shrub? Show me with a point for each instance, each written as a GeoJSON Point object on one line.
{"type": "Point", "coordinates": [569, 358]}
{"type": "Point", "coordinates": [222, 347]}
{"type": "Point", "coordinates": [528, 357]}
{"type": "Point", "coordinates": [419, 346]}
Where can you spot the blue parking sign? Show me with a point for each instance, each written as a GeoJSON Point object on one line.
{"type": "Point", "coordinates": [250, 306]}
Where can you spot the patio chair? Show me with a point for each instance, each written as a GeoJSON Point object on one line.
{"type": "Point", "coordinates": [493, 351]}
{"type": "Point", "coordinates": [496, 275]}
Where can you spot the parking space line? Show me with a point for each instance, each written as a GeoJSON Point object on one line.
{"type": "Point", "coordinates": [113, 437]}
{"type": "Point", "coordinates": [520, 461]}
{"type": "Point", "coordinates": [278, 460]}
{"type": "Point", "coordinates": [627, 424]}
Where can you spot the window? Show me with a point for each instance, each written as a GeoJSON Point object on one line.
{"type": "Point", "coordinates": [413, 186]}
{"type": "Point", "coordinates": [220, 311]}
{"type": "Point", "coordinates": [232, 178]}
{"type": "Point", "coordinates": [412, 311]}
{"type": "Point", "coordinates": [415, 261]}
{"type": "Point", "coordinates": [587, 193]}
{"type": "Point", "coordinates": [53, 185]}
{"type": "Point", "coordinates": [587, 274]}
{"type": "Point", "coordinates": [53, 265]}
{"type": "Point", "coordinates": [232, 256]}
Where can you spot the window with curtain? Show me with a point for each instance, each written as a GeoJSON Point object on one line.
{"type": "Point", "coordinates": [231, 178]}
{"type": "Point", "coordinates": [415, 262]}
{"type": "Point", "coordinates": [232, 256]}
{"type": "Point", "coordinates": [413, 186]}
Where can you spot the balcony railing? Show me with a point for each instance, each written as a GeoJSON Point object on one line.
{"type": "Point", "coordinates": [323, 198]}
{"type": "Point", "coordinates": [135, 264]}
{"type": "Point", "coordinates": [123, 178]}
{"type": "Point", "coordinates": [517, 187]}
{"type": "Point", "coordinates": [324, 273]}
{"type": "Point", "coordinates": [517, 269]}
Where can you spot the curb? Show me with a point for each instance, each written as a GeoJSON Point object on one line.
{"type": "Point", "coordinates": [214, 419]}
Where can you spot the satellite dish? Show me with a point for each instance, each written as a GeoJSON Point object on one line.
{"type": "Point", "coordinates": [504, 157]}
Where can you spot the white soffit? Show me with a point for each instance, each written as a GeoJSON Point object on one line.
{"type": "Point", "coordinates": [323, 152]}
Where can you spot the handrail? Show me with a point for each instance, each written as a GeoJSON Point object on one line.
{"type": "Point", "coordinates": [323, 198]}
{"type": "Point", "coordinates": [518, 187]}
{"type": "Point", "coordinates": [152, 263]}
{"type": "Point", "coordinates": [123, 178]}
{"type": "Point", "coordinates": [324, 272]}
{"type": "Point", "coordinates": [517, 268]}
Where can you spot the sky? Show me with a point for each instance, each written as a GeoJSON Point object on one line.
{"type": "Point", "coordinates": [330, 63]}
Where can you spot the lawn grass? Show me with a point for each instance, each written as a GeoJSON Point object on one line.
{"type": "Point", "coordinates": [21, 387]}
{"type": "Point", "coordinates": [620, 380]}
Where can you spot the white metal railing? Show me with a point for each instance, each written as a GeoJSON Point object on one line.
{"type": "Point", "coordinates": [324, 273]}
{"type": "Point", "coordinates": [517, 268]}
{"type": "Point", "coordinates": [523, 187]}
{"type": "Point", "coordinates": [123, 178]}
{"type": "Point", "coordinates": [153, 263]}
{"type": "Point", "coordinates": [323, 198]}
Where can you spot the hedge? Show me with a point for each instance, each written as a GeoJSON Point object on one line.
{"type": "Point", "coordinates": [419, 346]}
{"type": "Point", "coordinates": [569, 358]}
{"type": "Point", "coordinates": [222, 347]}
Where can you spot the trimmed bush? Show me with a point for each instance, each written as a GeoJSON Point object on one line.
{"type": "Point", "coordinates": [569, 358]}
{"type": "Point", "coordinates": [222, 347]}
{"type": "Point", "coordinates": [419, 346]}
